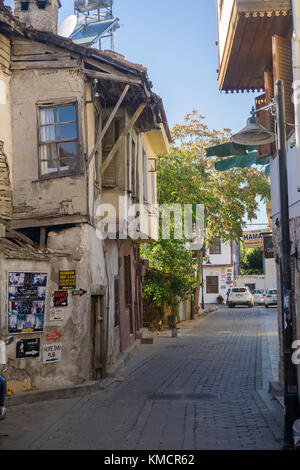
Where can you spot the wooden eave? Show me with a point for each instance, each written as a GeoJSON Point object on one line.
{"type": "Point", "coordinates": [248, 48]}
{"type": "Point", "coordinates": [9, 22]}
{"type": "Point", "coordinates": [112, 70]}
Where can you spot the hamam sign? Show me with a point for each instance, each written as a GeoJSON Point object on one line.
{"type": "Point", "coordinates": [52, 353]}
{"type": "Point", "coordinates": [255, 238]}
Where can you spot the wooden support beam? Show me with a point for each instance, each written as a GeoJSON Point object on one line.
{"type": "Point", "coordinates": [112, 76]}
{"type": "Point", "coordinates": [111, 117]}
{"type": "Point", "coordinates": [42, 238]}
{"type": "Point", "coordinates": [122, 136]}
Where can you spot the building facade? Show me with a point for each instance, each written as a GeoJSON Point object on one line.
{"type": "Point", "coordinates": [219, 272]}
{"type": "Point", "coordinates": [81, 130]}
{"type": "Point", "coordinates": [258, 45]}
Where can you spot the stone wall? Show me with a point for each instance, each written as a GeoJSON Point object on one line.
{"type": "Point", "coordinates": [44, 19]}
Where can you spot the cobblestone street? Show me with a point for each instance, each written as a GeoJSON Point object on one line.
{"type": "Point", "coordinates": [207, 389]}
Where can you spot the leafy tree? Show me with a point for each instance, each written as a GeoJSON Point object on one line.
{"type": "Point", "coordinates": [187, 176]}
{"type": "Point", "coordinates": [171, 273]}
{"type": "Point", "coordinates": [251, 261]}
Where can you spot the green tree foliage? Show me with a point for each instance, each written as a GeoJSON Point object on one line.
{"type": "Point", "coordinates": [171, 272]}
{"type": "Point", "coordinates": [187, 176]}
{"type": "Point", "coordinates": [251, 261]}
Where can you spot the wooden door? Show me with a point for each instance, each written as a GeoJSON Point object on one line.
{"type": "Point", "coordinates": [98, 337]}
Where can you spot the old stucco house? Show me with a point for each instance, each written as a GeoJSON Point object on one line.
{"type": "Point", "coordinates": [79, 129]}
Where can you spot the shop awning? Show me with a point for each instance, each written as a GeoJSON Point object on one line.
{"type": "Point", "coordinates": [228, 149]}
{"type": "Point", "coordinates": [241, 161]}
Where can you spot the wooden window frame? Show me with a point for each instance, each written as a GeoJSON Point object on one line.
{"type": "Point", "coordinates": [216, 247]}
{"type": "Point", "coordinates": [57, 106]}
{"type": "Point", "coordinates": [145, 177]}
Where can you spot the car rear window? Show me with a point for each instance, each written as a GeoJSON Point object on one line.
{"type": "Point", "coordinates": [272, 292]}
{"type": "Point", "coordinates": [241, 289]}
{"type": "Point", "coordinates": [259, 291]}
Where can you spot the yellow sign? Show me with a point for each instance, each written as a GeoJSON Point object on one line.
{"type": "Point", "coordinates": [255, 238]}
{"type": "Point", "coordinates": [67, 280]}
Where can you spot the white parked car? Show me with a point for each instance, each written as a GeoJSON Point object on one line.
{"type": "Point", "coordinates": [240, 296]}
{"type": "Point", "coordinates": [270, 297]}
{"type": "Point", "coordinates": [259, 296]}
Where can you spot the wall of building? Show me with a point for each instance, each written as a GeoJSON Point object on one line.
{"type": "Point", "coordinates": [221, 265]}
{"type": "Point", "coordinates": [75, 366]}
{"type": "Point", "coordinates": [270, 274]}
{"type": "Point", "coordinates": [294, 195]}
{"type": "Point", "coordinates": [295, 278]}
{"type": "Point", "coordinates": [5, 99]}
{"type": "Point", "coordinates": [223, 285]}
{"type": "Point", "coordinates": [33, 196]}
{"type": "Point", "coordinates": [255, 279]}
{"type": "Point", "coordinates": [86, 257]}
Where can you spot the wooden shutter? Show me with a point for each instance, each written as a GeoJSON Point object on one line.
{"type": "Point", "coordinates": [127, 280]}
{"type": "Point", "coordinates": [212, 285]}
{"type": "Point", "coordinates": [283, 70]}
{"type": "Point", "coordinates": [109, 176]}
{"type": "Point", "coordinates": [110, 138]}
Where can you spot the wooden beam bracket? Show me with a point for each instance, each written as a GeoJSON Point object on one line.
{"type": "Point", "coordinates": [110, 119]}
{"type": "Point", "coordinates": [122, 136]}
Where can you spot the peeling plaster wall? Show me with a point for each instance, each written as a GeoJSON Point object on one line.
{"type": "Point", "coordinates": [5, 103]}
{"type": "Point", "coordinates": [31, 195]}
{"type": "Point", "coordinates": [76, 364]}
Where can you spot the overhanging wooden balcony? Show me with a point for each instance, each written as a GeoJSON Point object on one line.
{"type": "Point", "coordinates": [246, 41]}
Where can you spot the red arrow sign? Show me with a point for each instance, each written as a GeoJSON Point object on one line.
{"type": "Point", "coordinates": [80, 292]}
{"type": "Point", "coordinates": [53, 336]}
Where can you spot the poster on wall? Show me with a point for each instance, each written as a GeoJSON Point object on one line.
{"type": "Point", "coordinates": [57, 315]}
{"type": "Point", "coordinates": [26, 301]}
{"type": "Point", "coordinates": [67, 280]}
{"type": "Point", "coordinates": [52, 353]}
{"type": "Point", "coordinates": [60, 299]}
{"type": "Point", "coordinates": [28, 348]}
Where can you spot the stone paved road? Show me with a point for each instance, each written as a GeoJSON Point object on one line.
{"type": "Point", "coordinates": [204, 390]}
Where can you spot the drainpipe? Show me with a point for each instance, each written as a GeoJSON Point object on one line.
{"type": "Point", "coordinates": [296, 79]}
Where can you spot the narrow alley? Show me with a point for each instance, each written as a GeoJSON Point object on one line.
{"type": "Point", "coordinates": [206, 389]}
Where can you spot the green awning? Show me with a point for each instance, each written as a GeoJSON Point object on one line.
{"type": "Point", "coordinates": [228, 149]}
{"type": "Point", "coordinates": [241, 161]}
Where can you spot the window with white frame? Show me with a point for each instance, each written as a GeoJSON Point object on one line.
{"type": "Point", "coordinates": [58, 140]}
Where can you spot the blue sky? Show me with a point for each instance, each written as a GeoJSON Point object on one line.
{"type": "Point", "coordinates": [176, 40]}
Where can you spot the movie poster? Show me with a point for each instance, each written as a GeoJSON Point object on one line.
{"type": "Point", "coordinates": [26, 302]}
